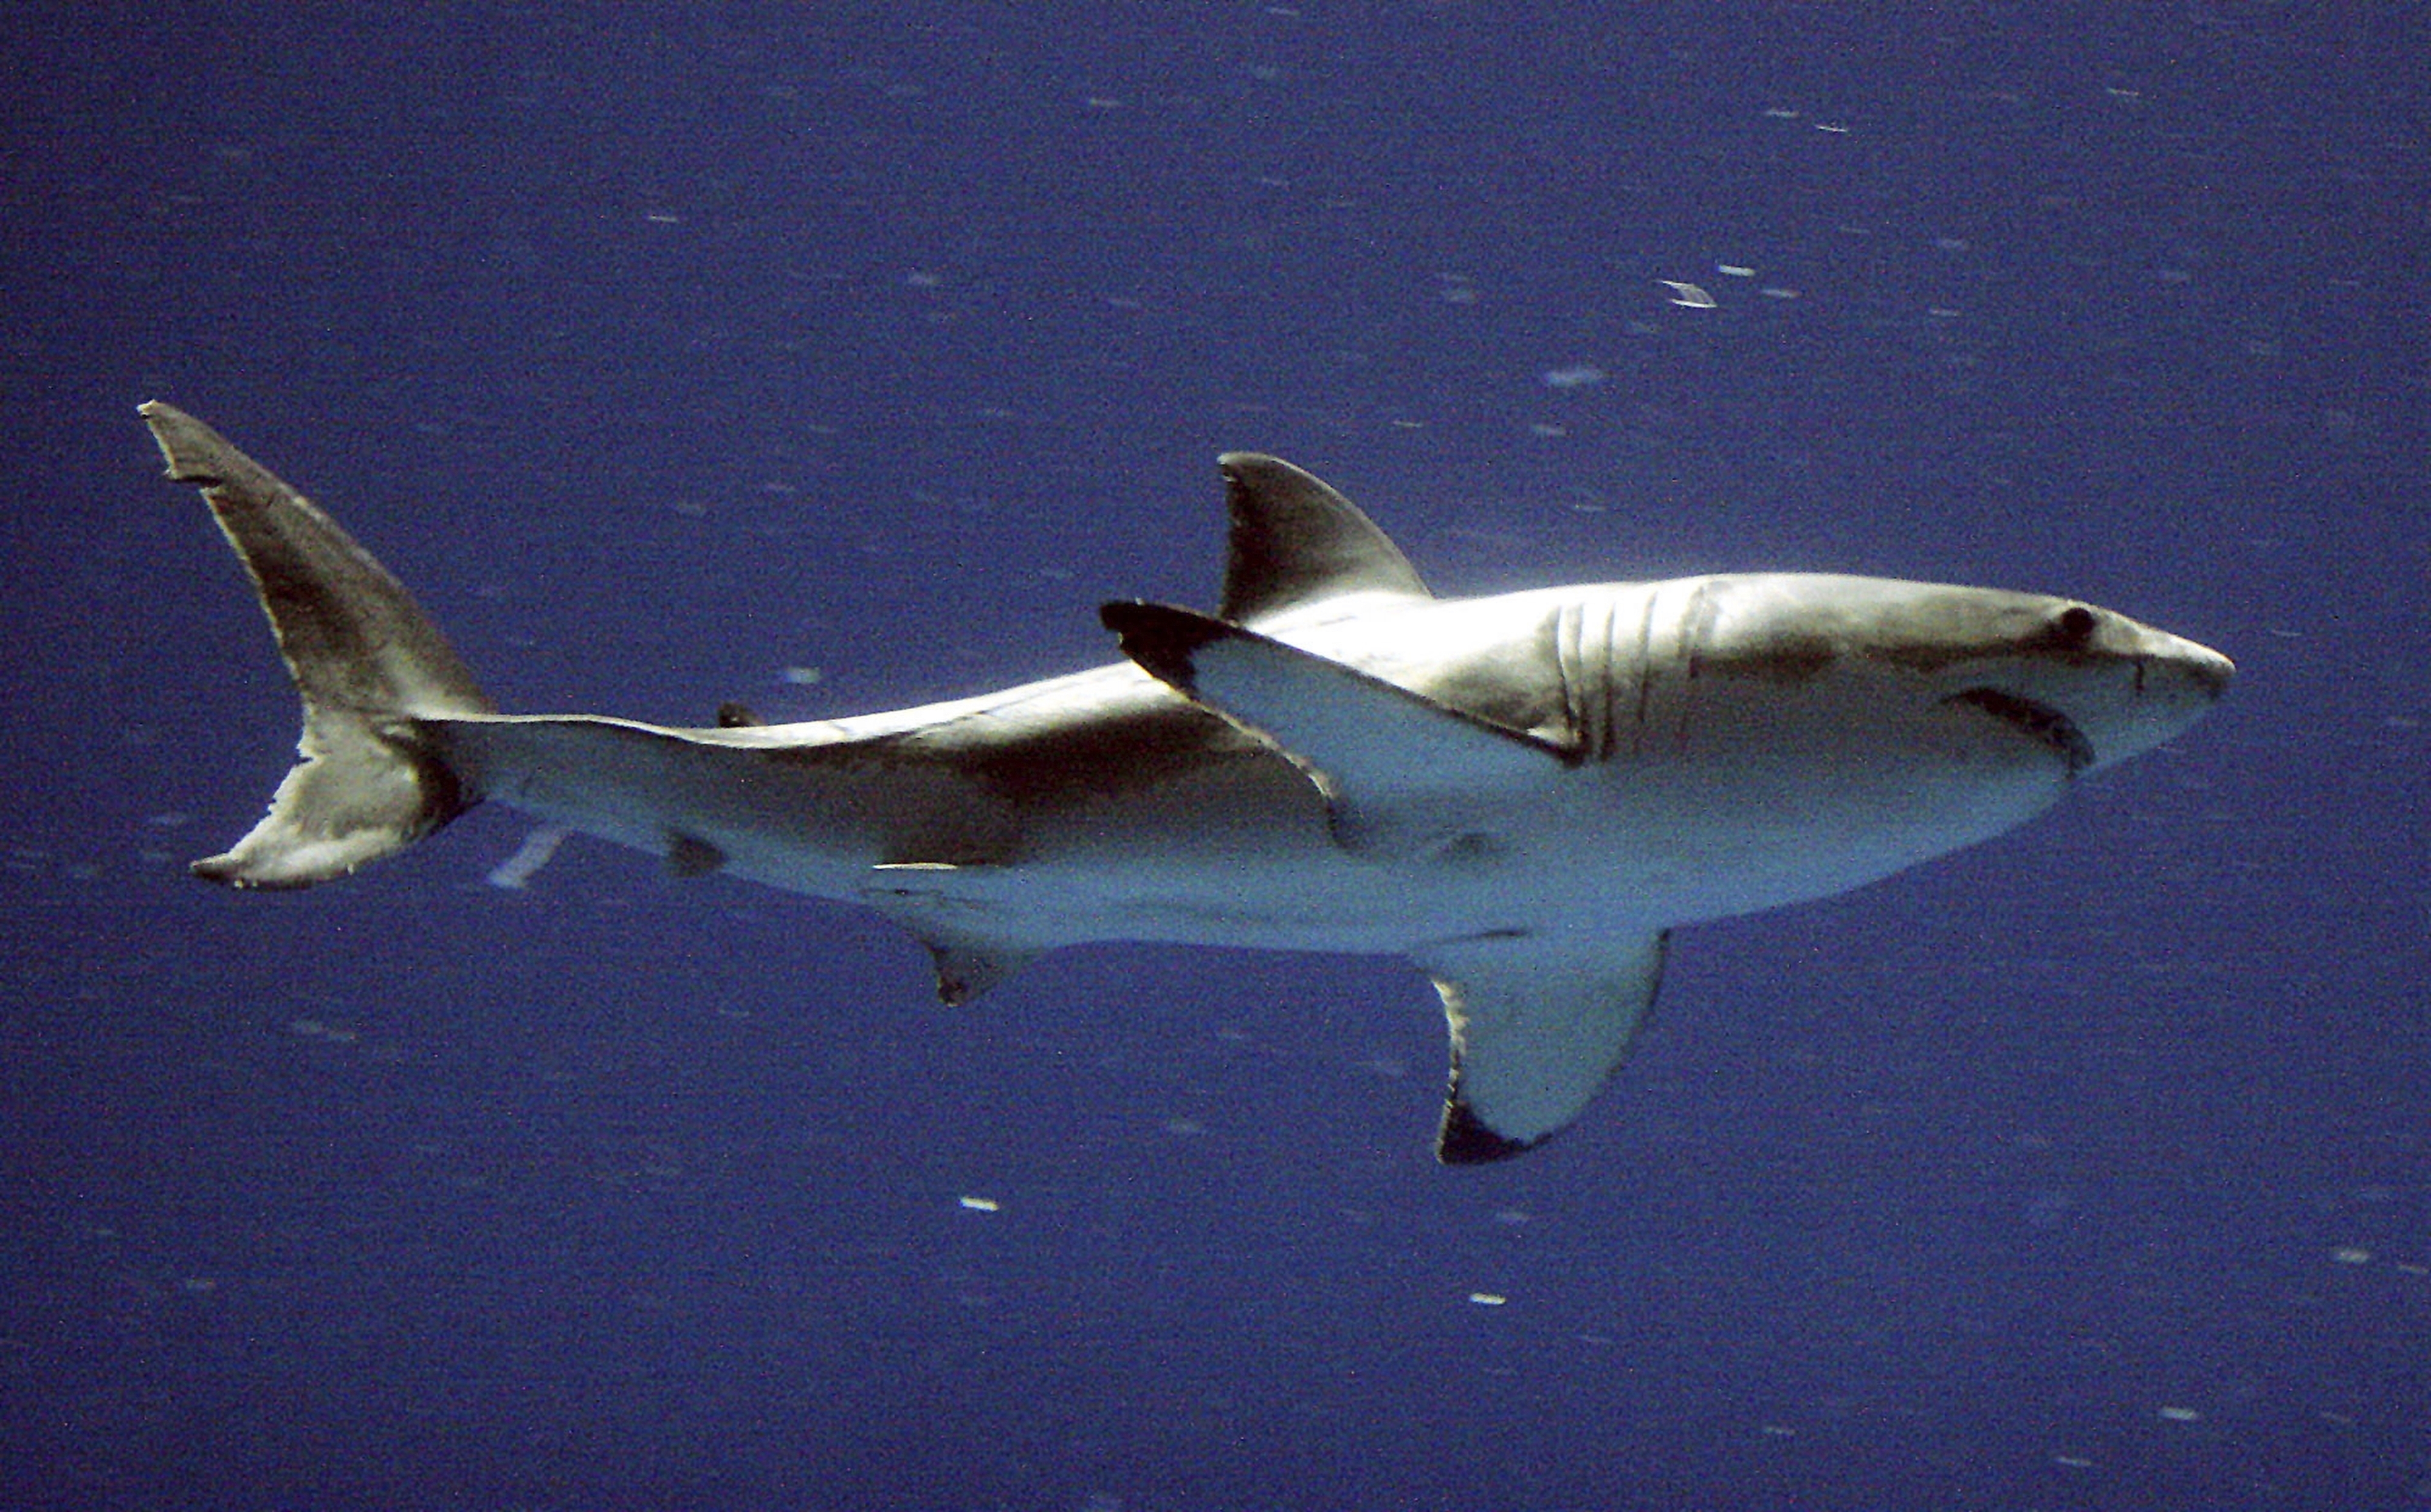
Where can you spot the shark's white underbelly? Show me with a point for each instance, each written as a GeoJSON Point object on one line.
{"type": "Point", "coordinates": [1244, 854]}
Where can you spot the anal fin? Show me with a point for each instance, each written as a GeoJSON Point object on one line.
{"type": "Point", "coordinates": [968, 956]}
{"type": "Point", "coordinates": [965, 968]}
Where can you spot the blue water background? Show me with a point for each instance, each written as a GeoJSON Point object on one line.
{"type": "Point", "coordinates": [674, 353]}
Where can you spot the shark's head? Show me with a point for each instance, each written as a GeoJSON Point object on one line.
{"type": "Point", "coordinates": [2095, 686]}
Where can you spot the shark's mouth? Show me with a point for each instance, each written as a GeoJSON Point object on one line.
{"type": "Point", "coordinates": [2039, 722]}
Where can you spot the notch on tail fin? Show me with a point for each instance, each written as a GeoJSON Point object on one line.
{"type": "Point", "coordinates": [368, 667]}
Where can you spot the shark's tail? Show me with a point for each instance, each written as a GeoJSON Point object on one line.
{"type": "Point", "coordinates": [367, 665]}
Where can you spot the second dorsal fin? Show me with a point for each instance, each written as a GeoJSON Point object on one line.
{"type": "Point", "coordinates": [1295, 541]}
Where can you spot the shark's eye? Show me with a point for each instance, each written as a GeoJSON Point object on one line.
{"type": "Point", "coordinates": [2074, 624]}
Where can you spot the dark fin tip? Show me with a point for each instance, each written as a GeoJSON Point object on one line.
{"type": "Point", "coordinates": [955, 985]}
{"type": "Point", "coordinates": [691, 856]}
{"type": "Point", "coordinates": [1464, 1140]}
{"type": "Point", "coordinates": [735, 715]}
{"type": "Point", "coordinates": [1161, 639]}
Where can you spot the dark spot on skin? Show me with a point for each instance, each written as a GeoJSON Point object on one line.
{"type": "Point", "coordinates": [1145, 750]}
{"type": "Point", "coordinates": [733, 715]}
{"type": "Point", "coordinates": [1471, 849]}
{"type": "Point", "coordinates": [1786, 663]}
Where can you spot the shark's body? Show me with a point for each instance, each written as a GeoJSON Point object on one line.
{"type": "Point", "coordinates": [1520, 794]}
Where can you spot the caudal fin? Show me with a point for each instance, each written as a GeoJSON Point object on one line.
{"type": "Point", "coordinates": [367, 665]}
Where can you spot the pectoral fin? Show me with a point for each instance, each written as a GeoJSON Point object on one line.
{"type": "Point", "coordinates": [1405, 774]}
{"type": "Point", "coordinates": [1539, 1022]}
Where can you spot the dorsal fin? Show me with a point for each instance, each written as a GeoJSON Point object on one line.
{"type": "Point", "coordinates": [1296, 541]}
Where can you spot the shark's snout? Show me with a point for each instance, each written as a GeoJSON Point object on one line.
{"type": "Point", "coordinates": [2209, 670]}
{"type": "Point", "coordinates": [2177, 682]}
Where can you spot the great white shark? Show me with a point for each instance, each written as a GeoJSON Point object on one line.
{"type": "Point", "coordinates": [1522, 795]}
